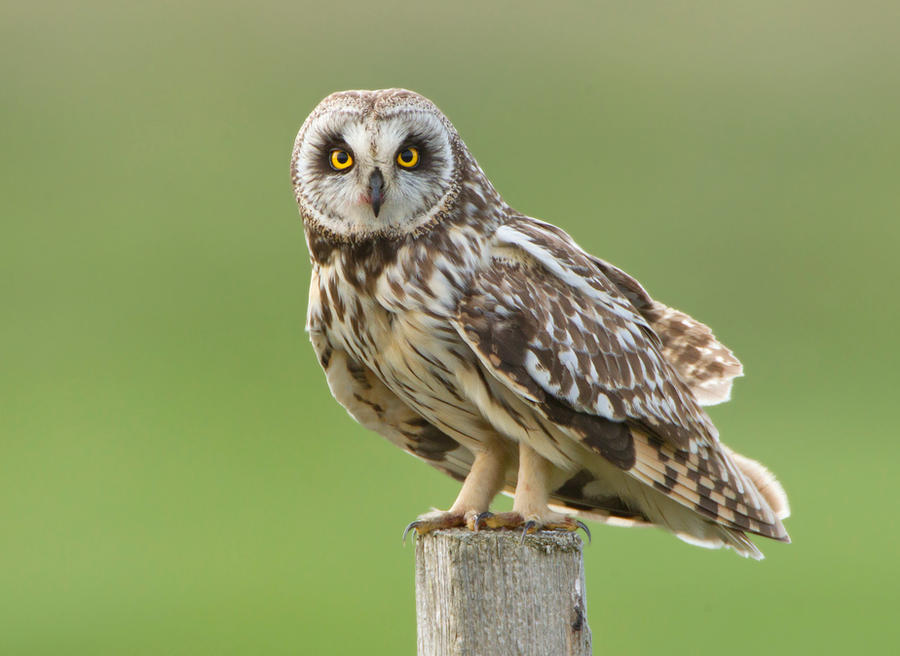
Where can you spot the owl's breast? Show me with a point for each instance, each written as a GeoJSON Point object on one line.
{"type": "Point", "coordinates": [414, 350]}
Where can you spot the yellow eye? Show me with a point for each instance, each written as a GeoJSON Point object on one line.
{"type": "Point", "coordinates": [408, 158]}
{"type": "Point", "coordinates": [340, 160]}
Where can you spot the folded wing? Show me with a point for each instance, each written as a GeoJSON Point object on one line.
{"type": "Point", "coordinates": [546, 321]}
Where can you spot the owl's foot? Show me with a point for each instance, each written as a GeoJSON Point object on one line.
{"type": "Point", "coordinates": [476, 521]}
{"type": "Point", "coordinates": [434, 521]}
{"type": "Point", "coordinates": [532, 524]}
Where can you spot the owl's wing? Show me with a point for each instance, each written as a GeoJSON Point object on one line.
{"type": "Point", "coordinates": [372, 404]}
{"type": "Point", "coordinates": [707, 366]}
{"type": "Point", "coordinates": [549, 325]}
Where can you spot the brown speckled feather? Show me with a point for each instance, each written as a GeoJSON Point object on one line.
{"type": "Point", "coordinates": [548, 323]}
{"type": "Point", "coordinates": [374, 406]}
{"type": "Point", "coordinates": [705, 365]}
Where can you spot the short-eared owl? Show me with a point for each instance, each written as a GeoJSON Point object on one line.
{"type": "Point", "coordinates": [488, 344]}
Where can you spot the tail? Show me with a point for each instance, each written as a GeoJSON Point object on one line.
{"type": "Point", "coordinates": [602, 492]}
{"type": "Point", "coordinates": [765, 482]}
{"type": "Point", "coordinates": [715, 536]}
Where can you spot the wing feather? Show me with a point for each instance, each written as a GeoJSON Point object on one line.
{"type": "Point", "coordinates": [545, 321]}
{"type": "Point", "coordinates": [706, 365]}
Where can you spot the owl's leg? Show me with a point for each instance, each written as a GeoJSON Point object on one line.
{"type": "Point", "coordinates": [484, 482]}
{"type": "Point", "coordinates": [530, 511]}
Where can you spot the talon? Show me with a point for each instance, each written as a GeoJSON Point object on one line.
{"type": "Point", "coordinates": [529, 525]}
{"type": "Point", "coordinates": [409, 527]}
{"type": "Point", "coordinates": [584, 528]}
{"type": "Point", "coordinates": [480, 518]}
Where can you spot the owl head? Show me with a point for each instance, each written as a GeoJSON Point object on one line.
{"type": "Point", "coordinates": [382, 163]}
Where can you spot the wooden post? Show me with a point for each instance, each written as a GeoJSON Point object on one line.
{"type": "Point", "coordinates": [487, 593]}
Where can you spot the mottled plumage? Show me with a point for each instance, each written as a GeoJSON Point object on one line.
{"type": "Point", "coordinates": [491, 346]}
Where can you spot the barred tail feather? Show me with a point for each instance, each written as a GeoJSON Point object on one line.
{"type": "Point", "coordinates": [688, 526]}
{"type": "Point", "coordinates": [647, 506]}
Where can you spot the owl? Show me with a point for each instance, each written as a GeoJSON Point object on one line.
{"type": "Point", "coordinates": [490, 345]}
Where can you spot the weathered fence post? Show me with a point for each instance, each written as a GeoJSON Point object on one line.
{"type": "Point", "coordinates": [489, 594]}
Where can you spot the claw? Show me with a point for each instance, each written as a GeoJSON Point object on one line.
{"type": "Point", "coordinates": [584, 528]}
{"type": "Point", "coordinates": [409, 527]}
{"type": "Point", "coordinates": [529, 525]}
{"type": "Point", "coordinates": [481, 517]}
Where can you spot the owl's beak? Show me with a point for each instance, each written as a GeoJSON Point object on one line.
{"type": "Point", "coordinates": [376, 190]}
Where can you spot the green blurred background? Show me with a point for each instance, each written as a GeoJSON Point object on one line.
{"type": "Point", "coordinates": [175, 477]}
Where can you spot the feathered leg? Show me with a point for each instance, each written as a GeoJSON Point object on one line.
{"type": "Point", "coordinates": [530, 511]}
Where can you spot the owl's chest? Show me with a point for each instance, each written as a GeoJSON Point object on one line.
{"type": "Point", "coordinates": [410, 345]}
